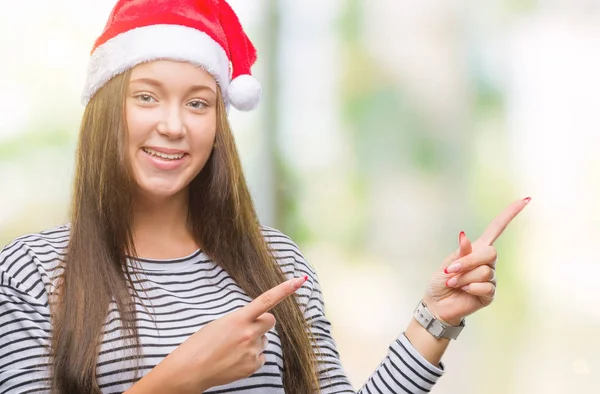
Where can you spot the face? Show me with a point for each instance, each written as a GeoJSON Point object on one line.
{"type": "Point", "coordinates": [171, 120]}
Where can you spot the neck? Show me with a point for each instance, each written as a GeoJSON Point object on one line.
{"type": "Point", "coordinates": [160, 227]}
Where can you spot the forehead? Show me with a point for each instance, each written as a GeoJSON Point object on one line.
{"type": "Point", "coordinates": [174, 74]}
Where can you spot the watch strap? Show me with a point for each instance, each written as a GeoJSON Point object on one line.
{"type": "Point", "coordinates": [436, 327]}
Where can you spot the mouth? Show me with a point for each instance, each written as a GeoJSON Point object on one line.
{"type": "Point", "coordinates": [172, 155]}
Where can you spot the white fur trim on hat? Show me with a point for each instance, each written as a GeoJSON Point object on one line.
{"type": "Point", "coordinates": [143, 44]}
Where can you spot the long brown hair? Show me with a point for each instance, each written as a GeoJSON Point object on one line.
{"type": "Point", "coordinates": [223, 221]}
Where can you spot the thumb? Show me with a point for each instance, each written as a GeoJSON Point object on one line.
{"type": "Point", "coordinates": [464, 245]}
{"type": "Point", "coordinates": [464, 248]}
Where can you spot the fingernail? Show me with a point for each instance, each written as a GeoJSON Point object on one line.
{"type": "Point", "coordinates": [527, 199]}
{"type": "Point", "coordinates": [451, 282]}
{"type": "Point", "coordinates": [465, 288]}
{"type": "Point", "coordinates": [298, 282]}
{"type": "Point", "coordinates": [461, 236]}
{"type": "Point", "coordinates": [453, 268]}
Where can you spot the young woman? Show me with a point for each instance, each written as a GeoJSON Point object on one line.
{"type": "Point", "coordinates": [163, 281]}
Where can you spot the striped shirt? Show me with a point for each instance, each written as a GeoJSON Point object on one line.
{"type": "Point", "coordinates": [179, 296]}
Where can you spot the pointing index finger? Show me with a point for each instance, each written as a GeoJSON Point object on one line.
{"type": "Point", "coordinates": [499, 224]}
{"type": "Point", "coordinates": [267, 300]}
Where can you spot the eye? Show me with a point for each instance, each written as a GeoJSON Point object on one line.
{"type": "Point", "coordinates": [145, 97]}
{"type": "Point", "coordinates": [198, 104]}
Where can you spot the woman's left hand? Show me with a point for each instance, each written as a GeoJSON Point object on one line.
{"type": "Point", "coordinates": [466, 280]}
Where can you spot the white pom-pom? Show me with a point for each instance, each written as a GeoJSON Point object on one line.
{"type": "Point", "coordinates": [244, 92]}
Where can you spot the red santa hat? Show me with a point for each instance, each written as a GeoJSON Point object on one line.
{"type": "Point", "coordinates": [206, 33]}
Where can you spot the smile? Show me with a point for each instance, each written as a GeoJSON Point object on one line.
{"type": "Point", "coordinates": [166, 156]}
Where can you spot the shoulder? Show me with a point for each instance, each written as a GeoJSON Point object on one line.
{"type": "Point", "coordinates": [287, 253]}
{"type": "Point", "coordinates": [294, 265]}
{"type": "Point", "coordinates": [30, 258]}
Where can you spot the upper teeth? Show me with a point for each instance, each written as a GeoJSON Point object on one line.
{"type": "Point", "coordinates": [174, 156]}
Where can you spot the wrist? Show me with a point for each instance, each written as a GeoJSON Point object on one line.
{"type": "Point", "coordinates": [428, 346]}
{"type": "Point", "coordinates": [439, 313]}
{"type": "Point", "coordinates": [166, 378]}
{"type": "Point", "coordinates": [437, 327]}
{"type": "Point", "coordinates": [180, 379]}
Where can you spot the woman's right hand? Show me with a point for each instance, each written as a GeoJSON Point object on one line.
{"type": "Point", "coordinates": [225, 350]}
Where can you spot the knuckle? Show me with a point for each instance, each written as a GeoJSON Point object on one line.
{"type": "Point", "coordinates": [270, 319]}
{"type": "Point", "coordinates": [247, 336]}
{"type": "Point", "coordinates": [262, 359]}
{"type": "Point", "coordinates": [267, 300]}
{"type": "Point", "coordinates": [486, 272]}
{"type": "Point", "coordinates": [493, 253]}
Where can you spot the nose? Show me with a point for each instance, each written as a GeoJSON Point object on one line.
{"type": "Point", "coordinates": [172, 125]}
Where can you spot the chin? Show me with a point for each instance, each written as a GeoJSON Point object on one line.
{"type": "Point", "coordinates": [161, 190]}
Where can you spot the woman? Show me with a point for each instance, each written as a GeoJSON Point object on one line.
{"type": "Point", "coordinates": [164, 281]}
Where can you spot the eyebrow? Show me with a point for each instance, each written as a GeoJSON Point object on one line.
{"type": "Point", "coordinates": [153, 82]}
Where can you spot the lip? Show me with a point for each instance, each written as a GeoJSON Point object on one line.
{"type": "Point", "coordinates": [165, 165]}
{"type": "Point", "coordinates": [165, 150]}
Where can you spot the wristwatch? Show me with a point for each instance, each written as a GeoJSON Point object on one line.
{"type": "Point", "coordinates": [436, 327]}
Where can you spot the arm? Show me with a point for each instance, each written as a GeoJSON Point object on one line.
{"type": "Point", "coordinates": [223, 351]}
{"type": "Point", "coordinates": [24, 339]}
{"type": "Point", "coordinates": [403, 370]}
{"type": "Point", "coordinates": [25, 330]}
{"type": "Point", "coordinates": [159, 381]}
{"type": "Point", "coordinates": [426, 344]}
{"type": "Point", "coordinates": [465, 283]}
{"type": "Point", "coordinates": [333, 377]}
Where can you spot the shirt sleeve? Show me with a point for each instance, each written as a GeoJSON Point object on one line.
{"type": "Point", "coordinates": [403, 370]}
{"type": "Point", "coordinates": [24, 326]}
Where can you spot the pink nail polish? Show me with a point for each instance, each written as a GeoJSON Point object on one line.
{"type": "Point", "coordinates": [461, 236]}
{"type": "Point", "coordinates": [298, 282]}
{"type": "Point", "coordinates": [527, 199]}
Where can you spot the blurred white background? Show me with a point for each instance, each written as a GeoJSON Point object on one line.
{"type": "Point", "coordinates": [388, 126]}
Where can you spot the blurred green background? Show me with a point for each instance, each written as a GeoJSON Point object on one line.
{"type": "Point", "coordinates": [387, 127]}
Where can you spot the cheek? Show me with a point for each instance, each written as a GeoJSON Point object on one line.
{"type": "Point", "coordinates": [202, 139]}
{"type": "Point", "coordinates": [138, 125]}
